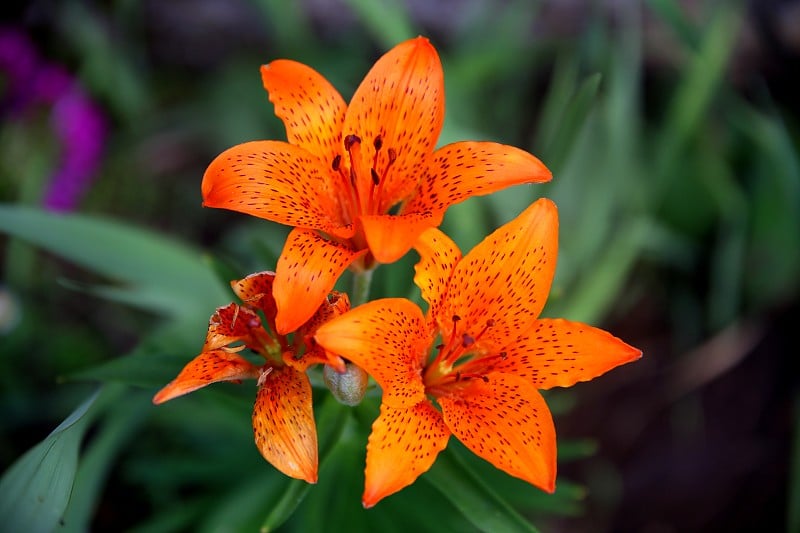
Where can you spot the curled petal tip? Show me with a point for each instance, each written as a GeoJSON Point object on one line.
{"type": "Point", "coordinates": [157, 399]}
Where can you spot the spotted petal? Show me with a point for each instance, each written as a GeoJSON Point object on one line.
{"type": "Point", "coordinates": [559, 353]}
{"type": "Point", "coordinates": [206, 368]}
{"type": "Point", "coordinates": [276, 181]}
{"type": "Point", "coordinates": [283, 423]}
{"type": "Point", "coordinates": [464, 169]}
{"type": "Point", "coordinates": [255, 290]}
{"type": "Point", "coordinates": [401, 100]}
{"type": "Point", "coordinates": [389, 340]}
{"type": "Point", "coordinates": [336, 304]}
{"type": "Point", "coordinates": [438, 255]}
{"type": "Point", "coordinates": [309, 106]}
{"type": "Point", "coordinates": [307, 270]}
{"type": "Point", "coordinates": [506, 422]}
{"type": "Point", "coordinates": [505, 279]}
{"type": "Point", "coordinates": [390, 236]}
{"type": "Point", "coordinates": [404, 443]}
{"type": "Point", "coordinates": [233, 323]}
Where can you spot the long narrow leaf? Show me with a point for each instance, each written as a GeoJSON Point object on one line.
{"type": "Point", "coordinates": [478, 503]}
{"type": "Point", "coordinates": [35, 491]}
{"type": "Point", "coordinates": [96, 461]}
{"type": "Point", "coordinates": [124, 253]}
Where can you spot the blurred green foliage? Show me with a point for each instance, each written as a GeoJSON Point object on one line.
{"type": "Point", "coordinates": [694, 185]}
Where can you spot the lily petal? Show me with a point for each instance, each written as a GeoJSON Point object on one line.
{"type": "Point", "coordinates": [387, 338]}
{"type": "Point", "coordinates": [283, 423]}
{"type": "Point", "coordinates": [307, 270]}
{"type": "Point", "coordinates": [464, 169]}
{"type": "Point", "coordinates": [206, 368]}
{"type": "Point", "coordinates": [390, 236]}
{"type": "Point", "coordinates": [401, 100]}
{"type": "Point", "coordinates": [505, 421]}
{"type": "Point", "coordinates": [230, 324]}
{"type": "Point", "coordinates": [309, 106]}
{"type": "Point", "coordinates": [438, 256]}
{"type": "Point", "coordinates": [505, 279]}
{"type": "Point", "coordinates": [404, 443]}
{"type": "Point", "coordinates": [560, 353]}
{"type": "Point", "coordinates": [336, 304]}
{"type": "Point", "coordinates": [255, 290]}
{"type": "Point", "coordinates": [276, 181]}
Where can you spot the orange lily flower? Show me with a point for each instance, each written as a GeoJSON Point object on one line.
{"type": "Point", "coordinates": [283, 421]}
{"type": "Point", "coordinates": [491, 354]}
{"type": "Point", "coordinates": [359, 183]}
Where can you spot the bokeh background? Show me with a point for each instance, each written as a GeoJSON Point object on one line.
{"type": "Point", "coordinates": [671, 128]}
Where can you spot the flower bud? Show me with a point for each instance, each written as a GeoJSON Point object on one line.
{"type": "Point", "coordinates": [349, 386]}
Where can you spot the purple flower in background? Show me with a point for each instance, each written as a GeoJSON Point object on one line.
{"type": "Point", "coordinates": [81, 128]}
{"type": "Point", "coordinates": [77, 122]}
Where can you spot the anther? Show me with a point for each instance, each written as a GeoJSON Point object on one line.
{"type": "Point", "coordinates": [489, 323]}
{"type": "Point", "coordinates": [377, 143]}
{"type": "Point", "coordinates": [350, 140]}
{"type": "Point", "coordinates": [337, 162]}
{"type": "Point", "coordinates": [467, 340]}
{"type": "Point", "coordinates": [392, 155]}
{"type": "Point", "coordinates": [375, 178]}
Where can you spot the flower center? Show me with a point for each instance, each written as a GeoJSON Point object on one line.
{"type": "Point", "coordinates": [356, 196]}
{"type": "Point", "coordinates": [460, 358]}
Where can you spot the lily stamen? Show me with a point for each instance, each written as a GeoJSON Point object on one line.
{"type": "Point", "coordinates": [486, 363]}
{"type": "Point", "coordinates": [454, 347]}
{"type": "Point", "coordinates": [378, 144]}
{"type": "Point", "coordinates": [378, 192]}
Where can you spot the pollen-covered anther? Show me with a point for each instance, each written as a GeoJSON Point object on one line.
{"type": "Point", "coordinates": [467, 340]}
{"type": "Point", "coordinates": [352, 144]}
{"type": "Point", "coordinates": [490, 361]}
{"type": "Point", "coordinates": [379, 178]}
{"type": "Point", "coordinates": [262, 375]}
{"type": "Point", "coordinates": [233, 349]}
{"type": "Point", "coordinates": [466, 376]}
{"type": "Point", "coordinates": [350, 140]}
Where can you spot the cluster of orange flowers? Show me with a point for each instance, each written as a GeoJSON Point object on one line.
{"type": "Point", "coordinates": [362, 184]}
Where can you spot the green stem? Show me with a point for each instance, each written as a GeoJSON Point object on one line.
{"type": "Point", "coordinates": [361, 283]}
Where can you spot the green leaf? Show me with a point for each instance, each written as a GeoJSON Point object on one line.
{"type": "Point", "coordinates": [698, 88]}
{"type": "Point", "coordinates": [477, 502]}
{"type": "Point", "coordinates": [241, 508]}
{"type": "Point", "coordinates": [35, 491]}
{"type": "Point", "coordinates": [572, 121]}
{"type": "Point", "coordinates": [294, 494]}
{"type": "Point", "coordinates": [170, 277]}
{"type": "Point", "coordinates": [155, 361]}
{"type": "Point", "coordinates": [596, 292]}
{"type": "Point", "coordinates": [387, 20]}
{"type": "Point", "coordinates": [567, 500]}
{"type": "Point", "coordinates": [95, 463]}
{"type": "Point", "coordinates": [674, 15]}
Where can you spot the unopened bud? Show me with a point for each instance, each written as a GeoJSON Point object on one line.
{"type": "Point", "coordinates": [349, 386]}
